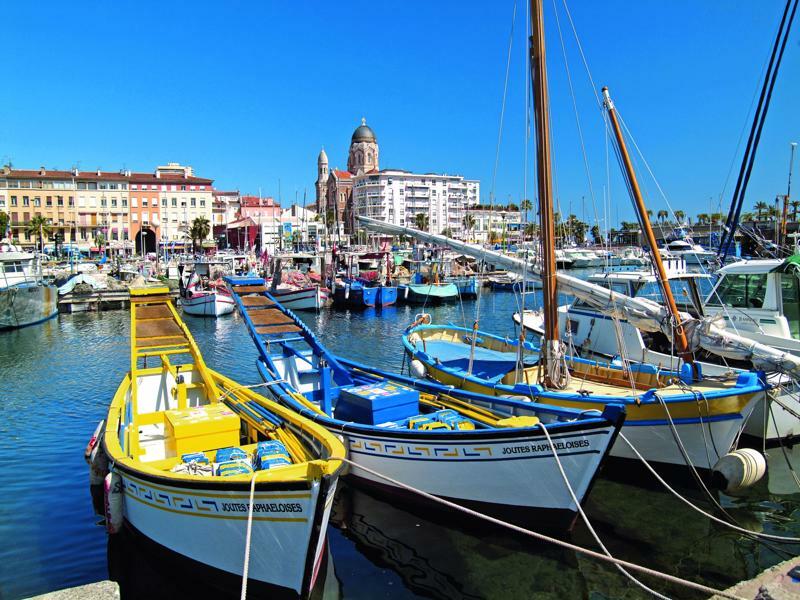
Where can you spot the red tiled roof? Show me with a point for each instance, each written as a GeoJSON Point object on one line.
{"type": "Point", "coordinates": [342, 174]}
{"type": "Point", "coordinates": [169, 178]}
{"type": "Point", "coordinates": [254, 201]}
{"type": "Point", "coordinates": [224, 193]}
{"type": "Point", "coordinates": [107, 175]}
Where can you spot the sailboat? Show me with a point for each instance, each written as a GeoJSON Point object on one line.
{"type": "Point", "coordinates": [467, 448]}
{"type": "Point", "coordinates": [203, 466]}
{"type": "Point", "coordinates": [676, 418]}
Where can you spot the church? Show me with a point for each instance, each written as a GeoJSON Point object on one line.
{"type": "Point", "coordinates": [335, 187]}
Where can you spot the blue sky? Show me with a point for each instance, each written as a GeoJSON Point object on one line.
{"type": "Point", "coordinates": [247, 93]}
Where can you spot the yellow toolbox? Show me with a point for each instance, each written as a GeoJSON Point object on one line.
{"type": "Point", "coordinates": [201, 428]}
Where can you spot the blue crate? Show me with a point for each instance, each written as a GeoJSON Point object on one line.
{"type": "Point", "coordinates": [377, 403]}
{"type": "Point", "coordinates": [232, 453]}
{"type": "Point", "coordinates": [197, 457]}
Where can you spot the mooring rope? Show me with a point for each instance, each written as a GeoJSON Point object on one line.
{"type": "Point", "coordinates": [674, 492]}
{"type": "Point", "coordinates": [248, 537]}
{"type": "Point", "coordinates": [545, 538]}
{"type": "Point", "coordinates": [586, 519]}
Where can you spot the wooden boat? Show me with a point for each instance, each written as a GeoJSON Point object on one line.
{"type": "Point", "coordinates": [425, 435]}
{"type": "Point", "coordinates": [428, 293]}
{"type": "Point", "coordinates": [467, 285]}
{"type": "Point", "coordinates": [183, 442]}
{"type": "Point", "coordinates": [358, 295]}
{"type": "Point", "coordinates": [302, 298]}
{"type": "Point", "coordinates": [512, 282]}
{"type": "Point", "coordinates": [707, 415]}
{"type": "Point", "coordinates": [203, 298]}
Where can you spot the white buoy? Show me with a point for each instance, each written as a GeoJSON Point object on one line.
{"type": "Point", "coordinates": [418, 369]}
{"type": "Point", "coordinates": [113, 490]}
{"type": "Point", "coordinates": [347, 291]}
{"type": "Point", "coordinates": [405, 294]}
{"type": "Point", "coordinates": [739, 469]}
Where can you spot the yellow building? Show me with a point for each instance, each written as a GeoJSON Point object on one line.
{"type": "Point", "coordinates": [88, 208]}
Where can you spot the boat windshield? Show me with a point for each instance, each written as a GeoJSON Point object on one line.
{"type": "Point", "coordinates": [741, 290]}
{"type": "Point", "coordinates": [790, 294]}
{"type": "Point", "coordinates": [681, 291]}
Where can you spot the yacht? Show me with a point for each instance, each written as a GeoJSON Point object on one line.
{"type": "Point", "coordinates": [693, 254]}
{"type": "Point", "coordinates": [25, 299]}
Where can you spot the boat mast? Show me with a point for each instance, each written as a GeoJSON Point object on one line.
{"type": "Point", "coordinates": [544, 178]}
{"type": "Point", "coordinates": [679, 334]}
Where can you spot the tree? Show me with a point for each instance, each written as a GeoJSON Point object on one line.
{"type": "Point", "coordinates": [702, 218]}
{"type": "Point", "coordinates": [662, 215]}
{"type": "Point", "coordinates": [447, 232]}
{"type": "Point", "coordinates": [469, 224]}
{"type": "Point", "coordinates": [760, 208]}
{"type": "Point", "coordinates": [421, 221]}
{"type": "Point", "coordinates": [716, 218]}
{"type": "Point", "coordinates": [4, 220]}
{"type": "Point", "coordinates": [99, 239]}
{"type": "Point", "coordinates": [199, 230]}
{"type": "Point", "coordinates": [649, 213]}
{"type": "Point", "coordinates": [748, 216]}
{"type": "Point", "coordinates": [679, 216]}
{"type": "Point", "coordinates": [795, 207]}
{"type": "Point", "coordinates": [38, 226]}
{"type": "Point", "coordinates": [596, 234]}
{"type": "Point", "coordinates": [531, 230]}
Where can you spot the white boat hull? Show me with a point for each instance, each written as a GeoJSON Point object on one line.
{"type": "Point", "coordinates": [313, 298]}
{"type": "Point", "coordinates": [518, 474]}
{"type": "Point", "coordinates": [210, 525]}
{"type": "Point", "coordinates": [27, 304]}
{"type": "Point", "coordinates": [208, 304]}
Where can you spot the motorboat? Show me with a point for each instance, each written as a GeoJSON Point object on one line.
{"type": "Point", "coordinates": [25, 298]}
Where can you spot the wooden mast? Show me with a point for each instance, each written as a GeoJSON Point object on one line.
{"type": "Point", "coordinates": [679, 333]}
{"type": "Point", "coordinates": [538, 67]}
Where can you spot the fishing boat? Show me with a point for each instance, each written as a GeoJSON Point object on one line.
{"type": "Point", "coordinates": [202, 292]}
{"type": "Point", "coordinates": [511, 282]}
{"type": "Point", "coordinates": [351, 293]}
{"type": "Point", "coordinates": [25, 298]}
{"type": "Point", "coordinates": [204, 467]}
{"type": "Point", "coordinates": [771, 283]}
{"type": "Point", "coordinates": [299, 287]}
{"type": "Point", "coordinates": [425, 435]}
{"type": "Point", "coordinates": [693, 254]}
{"type": "Point", "coordinates": [676, 418]}
{"type": "Point", "coordinates": [428, 293]}
{"type": "Point", "coordinates": [665, 414]}
{"type": "Point", "coordinates": [468, 286]}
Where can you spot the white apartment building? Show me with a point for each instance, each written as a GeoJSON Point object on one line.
{"type": "Point", "coordinates": [501, 222]}
{"type": "Point", "coordinates": [397, 196]}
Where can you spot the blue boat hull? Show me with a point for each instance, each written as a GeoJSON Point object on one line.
{"type": "Point", "coordinates": [27, 304]}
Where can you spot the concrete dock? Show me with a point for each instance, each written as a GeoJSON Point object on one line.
{"type": "Point", "coordinates": [772, 584]}
{"type": "Point", "coordinates": [102, 590]}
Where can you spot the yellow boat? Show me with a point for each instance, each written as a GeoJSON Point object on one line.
{"type": "Point", "coordinates": [205, 467]}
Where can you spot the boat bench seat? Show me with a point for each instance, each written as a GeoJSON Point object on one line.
{"type": "Point", "coordinates": [249, 289]}
{"type": "Point", "coordinates": [160, 311]}
{"type": "Point", "coordinates": [256, 301]}
{"type": "Point", "coordinates": [488, 364]}
{"type": "Point", "coordinates": [269, 317]}
{"type": "Point", "coordinates": [267, 330]}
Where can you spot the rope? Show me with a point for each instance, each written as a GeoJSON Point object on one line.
{"type": "Point", "coordinates": [248, 537]}
{"type": "Point", "coordinates": [586, 519]}
{"type": "Point", "coordinates": [545, 538]}
{"type": "Point", "coordinates": [661, 480]}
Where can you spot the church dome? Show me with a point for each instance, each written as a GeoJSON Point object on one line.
{"type": "Point", "coordinates": [322, 158]}
{"type": "Point", "coordinates": [364, 133]}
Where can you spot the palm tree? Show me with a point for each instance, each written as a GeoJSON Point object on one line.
{"type": "Point", "coordinates": [748, 216]}
{"type": "Point", "coordinates": [421, 221]}
{"type": "Point", "coordinates": [531, 230]}
{"type": "Point", "coordinates": [4, 220]}
{"type": "Point", "coordinates": [199, 230]}
{"type": "Point", "coordinates": [662, 215]}
{"type": "Point", "coordinates": [679, 215]}
{"type": "Point", "coordinates": [795, 207]}
{"type": "Point", "coordinates": [99, 239]}
{"type": "Point", "coordinates": [760, 208]}
{"type": "Point", "coordinates": [38, 225]}
{"type": "Point", "coordinates": [702, 219]}
{"type": "Point", "coordinates": [447, 232]}
{"type": "Point", "coordinates": [649, 213]}
{"type": "Point", "coordinates": [469, 224]}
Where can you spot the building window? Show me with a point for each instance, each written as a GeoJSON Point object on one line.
{"type": "Point", "coordinates": [71, 201]}
{"type": "Point", "coordinates": [113, 203]}
{"type": "Point", "coordinates": [164, 202]}
{"type": "Point", "coordinates": [144, 201]}
{"type": "Point", "coordinates": [60, 200]}
{"type": "Point", "coordinates": [26, 201]}
{"type": "Point", "coordinates": [174, 202]}
{"type": "Point", "coordinates": [193, 201]}
{"type": "Point", "coordinates": [103, 201]}
{"type": "Point", "coordinates": [124, 203]}
{"type": "Point", "coordinates": [202, 203]}
{"type": "Point", "coordinates": [13, 200]}
{"type": "Point", "coordinates": [37, 201]}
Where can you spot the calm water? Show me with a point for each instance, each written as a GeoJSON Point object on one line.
{"type": "Point", "coordinates": [57, 379]}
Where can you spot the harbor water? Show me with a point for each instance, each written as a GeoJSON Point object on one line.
{"type": "Point", "coordinates": [57, 379]}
